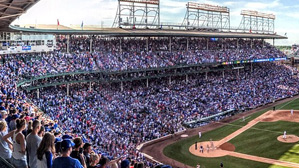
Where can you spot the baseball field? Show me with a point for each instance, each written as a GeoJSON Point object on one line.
{"type": "Point", "coordinates": [253, 141]}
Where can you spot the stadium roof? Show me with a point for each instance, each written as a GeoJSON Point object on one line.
{"type": "Point", "coordinates": [12, 9]}
{"type": "Point", "coordinates": [118, 32]}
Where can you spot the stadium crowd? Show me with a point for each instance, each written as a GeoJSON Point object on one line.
{"type": "Point", "coordinates": [103, 126]}
{"type": "Point", "coordinates": [138, 114]}
{"type": "Point", "coordinates": [106, 55]}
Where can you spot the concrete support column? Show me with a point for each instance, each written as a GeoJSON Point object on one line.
{"type": "Point", "coordinates": [251, 41]}
{"type": "Point", "coordinates": [273, 42]}
{"type": "Point", "coordinates": [238, 72]}
{"type": "Point", "coordinates": [263, 43]}
{"type": "Point", "coordinates": [187, 80]}
{"type": "Point", "coordinates": [206, 75]}
{"type": "Point", "coordinates": [223, 74]}
{"type": "Point", "coordinates": [37, 93]}
{"type": "Point", "coordinates": [251, 67]}
{"type": "Point", "coordinates": [121, 86]}
{"type": "Point", "coordinates": [89, 86]}
{"type": "Point", "coordinates": [147, 39]}
{"type": "Point", "coordinates": [90, 47]}
{"type": "Point", "coordinates": [68, 43]}
{"type": "Point", "coordinates": [169, 80]}
{"type": "Point", "coordinates": [207, 43]}
{"type": "Point", "coordinates": [120, 49]}
{"type": "Point", "coordinates": [68, 89]}
{"type": "Point", "coordinates": [222, 46]}
{"type": "Point", "coordinates": [170, 38]}
{"type": "Point", "coordinates": [187, 44]}
{"type": "Point", "coordinates": [147, 83]}
{"type": "Point", "coordinates": [237, 43]}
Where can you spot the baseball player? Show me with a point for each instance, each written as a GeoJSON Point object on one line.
{"type": "Point", "coordinates": [208, 148]}
{"type": "Point", "coordinates": [212, 145]}
{"type": "Point", "coordinates": [199, 134]}
{"type": "Point", "coordinates": [292, 111]}
{"type": "Point", "coordinates": [284, 135]}
{"type": "Point", "coordinates": [201, 148]}
{"type": "Point", "coordinates": [196, 145]}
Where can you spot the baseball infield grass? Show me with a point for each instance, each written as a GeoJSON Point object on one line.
{"type": "Point", "coordinates": [260, 140]}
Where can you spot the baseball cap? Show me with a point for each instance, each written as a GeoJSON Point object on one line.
{"type": "Point", "coordinates": [124, 164]}
{"type": "Point", "coordinates": [66, 136]}
{"type": "Point", "coordinates": [57, 139]}
{"type": "Point", "coordinates": [66, 144]}
{"type": "Point", "coordinates": [15, 116]}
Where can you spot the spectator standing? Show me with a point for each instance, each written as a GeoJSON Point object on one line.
{"type": "Point", "coordinates": [18, 158]}
{"type": "Point", "coordinates": [94, 160]}
{"type": "Point", "coordinates": [77, 153]}
{"type": "Point", "coordinates": [65, 161]}
{"type": "Point", "coordinates": [87, 149]}
{"type": "Point", "coordinates": [33, 141]}
{"type": "Point", "coordinates": [45, 152]}
{"type": "Point", "coordinates": [5, 150]}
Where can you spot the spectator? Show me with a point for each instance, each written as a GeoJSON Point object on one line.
{"type": "Point", "coordinates": [125, 164]}
{"type": "Point", "coordinates": [29, 128]}
{"type": "Point", "coordinates": [41, 131]}
{"type": "Point", "coordinates": [18, 158]}
{"type": "Point", "coordinates": [94, 160]}
{"type": "Point", "coordinates": [46, 151]}
{"type": "Point", "coordinates": [139, 165]}
{"type": "Point", "coordinates": [3, 115]}
{"type": "Point", "coordinates": [87, 149]}
{"type": "Point", "coordinates": [77, 153]}
{"type": "Point", "coordinates": [5, 149]}
{"type": "Point", "coordinates": [103, 162]}
{"type": "Point", "coordinates": [12, 123]}
{"type": "Point", "coordinates": [33, 141]}
{"type": "Point", "coordinates": [65, 161]}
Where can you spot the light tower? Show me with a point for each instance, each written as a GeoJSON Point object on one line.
{"type": "Point", "coordinates": [206, 16]}
{"type": "Point", "coordinates": [257, 22]}
{"type": "Point", "coordinates": [137, 14]}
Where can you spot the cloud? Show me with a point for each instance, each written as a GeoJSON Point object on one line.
{"type": "Point", "coordinates": [262, 5]}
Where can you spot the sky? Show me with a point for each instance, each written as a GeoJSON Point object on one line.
{"type": "Point", "coordinates": [102, 12]}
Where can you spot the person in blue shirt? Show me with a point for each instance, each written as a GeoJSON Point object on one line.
{"type": "Point", "coordinates": [45, 151]}
{"type": "Point", "coordinates": [65, 161]}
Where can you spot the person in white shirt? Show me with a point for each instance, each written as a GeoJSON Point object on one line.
{"type": "Point", "coordinates": [284, 135]}
{"type": "Point", "coordinates": [18, 158]}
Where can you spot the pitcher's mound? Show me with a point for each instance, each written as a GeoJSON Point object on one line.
{"type": "Point", "coordinates": [288, 139]}
{"type": "Point", "coordinates": [220, 151]}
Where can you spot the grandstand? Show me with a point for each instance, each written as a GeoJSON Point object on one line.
{"type": "Point", "coordinates": [120, 89]}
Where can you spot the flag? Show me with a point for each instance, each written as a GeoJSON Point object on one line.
{"type": "Point", "coordinates": [57, 22]}
{"type": "Point", "coordinates": [82, 25]}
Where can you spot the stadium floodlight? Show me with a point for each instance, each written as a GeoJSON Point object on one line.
{"type": "Point", "coordinates": [207, 7]}
{"type": "Point", "coordinates": [206, 16]}
{"type": "Point", "coordinates": [257, 14]}
{"type": "Point", "coordinates": [139, 13]}
{"type": "Point", "coordinates": [257, 22]}
{"type": "Point", "coordinates": [143, 1]}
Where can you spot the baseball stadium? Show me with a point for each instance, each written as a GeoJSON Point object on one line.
{"type": "Point", "coordinates": [144, 93]}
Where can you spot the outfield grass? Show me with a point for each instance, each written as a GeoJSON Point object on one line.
{"type": "Point", "coordinates": [261, 140]}
{"type": "Point", "coordinates": [180, 150]}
